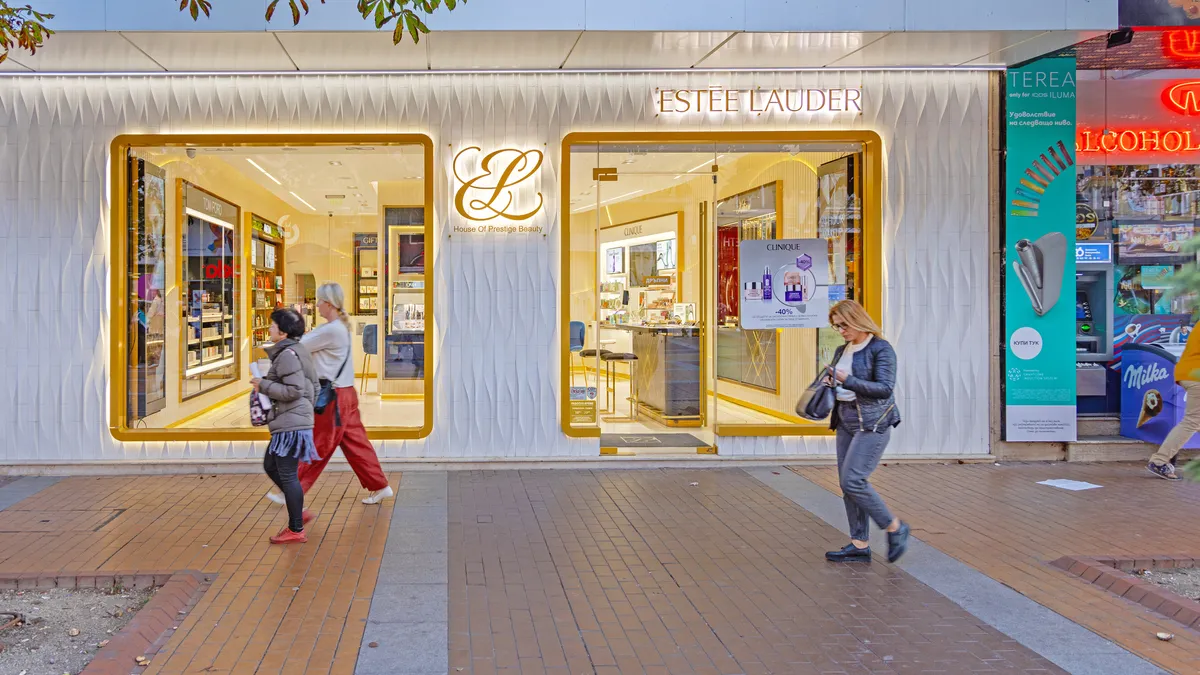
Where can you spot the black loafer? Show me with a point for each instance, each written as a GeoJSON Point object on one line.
{"type": "Point", "coordinates": [898, 542]}
{"type": "Point", "coordinates": [849, 553]}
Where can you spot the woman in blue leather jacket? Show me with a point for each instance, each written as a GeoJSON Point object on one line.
{"type": "Point", "coordinates": [864, 372]}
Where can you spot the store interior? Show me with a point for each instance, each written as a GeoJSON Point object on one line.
{"type": "Point", "coordinates": [656, 293]}
{"type": "Point", "coordinates": [219, 237]}
{"type": "Point", "coordinates": [1138, 177]}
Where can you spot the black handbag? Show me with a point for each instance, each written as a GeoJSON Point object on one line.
{"type": "Point", "coordinates": [326, 395]}
{"type": "Point", "coordinates": [817, 401]}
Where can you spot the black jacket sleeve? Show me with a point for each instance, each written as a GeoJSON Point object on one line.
{"type": "Point", "coordinates": [883, 378]}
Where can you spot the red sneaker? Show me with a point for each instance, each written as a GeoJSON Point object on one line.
{"type": "Point", "coordinates": [286, 536]}
{"type": "Point", "coordinates": [308, 516]}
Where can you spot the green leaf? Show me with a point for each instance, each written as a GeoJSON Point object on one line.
{"type": "Point", "coordinates": [398, 33]}
{"type": "Point", "coordinates": [271, 9]}
{"type": "Point", "coordinates": [452, 4]}
{"type": "Point", "coordinates": [295, 12]}
{"type": "Point", "coordinates": [414, 26]}
{"type": "Point", "coordinates": [195, 11]}
{"type": "Point", "coordinates": [380, 19]}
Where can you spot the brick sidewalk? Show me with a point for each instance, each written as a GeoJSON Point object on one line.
{"type": "Point", "coordinates": [272, 609]}
{"type": "Point", "coordinates": [570, 572]}
{"type": "Point", "coordinates": [999, 521]}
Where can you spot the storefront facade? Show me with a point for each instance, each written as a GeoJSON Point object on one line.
{"type": "Point", "coordinates": [494, 360]}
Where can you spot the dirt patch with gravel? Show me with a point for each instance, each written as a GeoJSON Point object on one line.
{"type": "Point", "coordinates": [63, 629]}
{"type": "Point", "coordinates": [1183, 581]}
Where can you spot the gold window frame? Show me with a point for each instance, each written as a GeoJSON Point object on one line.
{"type": "Point", "coordinates": [872, 264]}
{"type": "Point", "coordinates": [118, 252]}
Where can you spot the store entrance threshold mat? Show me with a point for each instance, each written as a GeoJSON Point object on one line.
{"type": "Point", "coordinates": [651, 441]}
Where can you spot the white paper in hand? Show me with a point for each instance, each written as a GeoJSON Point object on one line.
{"type": "Point", "coordinates": [262, 398]}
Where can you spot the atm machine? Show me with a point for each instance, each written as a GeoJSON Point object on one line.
{"type": "Point", "coordinates": [1093, 317]}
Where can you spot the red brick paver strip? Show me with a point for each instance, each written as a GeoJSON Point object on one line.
{"type": "Point", "coordinates": [271, 609]}
{"type": "Point", "coordinates": [568, 572]}
{"type": "Point", "coordinates": [998, 520]}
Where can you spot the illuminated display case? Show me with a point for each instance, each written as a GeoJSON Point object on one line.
{"type": "Point", "coordinates": [266, 278]}
{"type": "Point", "coordinates": [404, 259]}
{"type": "Point", "coordinates": [209, 275]}
{"type": "Point", "coordinates": [366, 273]}
{"type": "Point", "coordinates": [147, 222]}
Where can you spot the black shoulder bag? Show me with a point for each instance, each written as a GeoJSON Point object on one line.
{"type": "Point", "coordinates": [326, 395]}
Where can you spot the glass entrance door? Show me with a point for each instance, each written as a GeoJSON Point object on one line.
{"type": "Point", "coordinates": [646, 211]}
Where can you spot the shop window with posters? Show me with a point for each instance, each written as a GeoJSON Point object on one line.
{"type": "Point", "coordinates": [701, 275]}
{"type": "Point", "coordinates": [215, 235]}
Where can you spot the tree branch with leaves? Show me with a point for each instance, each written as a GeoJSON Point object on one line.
{"type": "Point", "coordinates": [24, 28]}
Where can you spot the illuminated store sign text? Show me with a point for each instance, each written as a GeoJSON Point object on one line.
{"type": "Point", "coordinates": [756, 101]}
{"type": "Point", "coordinates": [1183, 98]}
{"type": "Point", "coordinates": [491, 187]}
{"type": "Point", "coordinates": [1182, 45]}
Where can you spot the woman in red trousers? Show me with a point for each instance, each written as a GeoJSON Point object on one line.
{"type": "Point", "coordinates": [340, 424]}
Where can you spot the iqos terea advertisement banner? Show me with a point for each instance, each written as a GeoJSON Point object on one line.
{"type": "Point", "coordinates": [1040, 252]}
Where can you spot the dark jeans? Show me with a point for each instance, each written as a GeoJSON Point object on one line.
{"type": "Point", "coordinates": [858, 453]}
{"type": "Point", "coordinates": [282, 471]}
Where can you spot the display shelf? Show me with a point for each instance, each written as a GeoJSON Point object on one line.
{"type": "Point", "coordinates": [210, 263]}
{"type": "Point", "coordinates": [209, 367]}
{"type": "Point", "coordinates": [266, 278]}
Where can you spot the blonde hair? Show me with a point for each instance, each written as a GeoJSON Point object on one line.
{"type": "Point", "coordinates": [853, 315]}
{"type": "Point", "coordinates": [333, 294]}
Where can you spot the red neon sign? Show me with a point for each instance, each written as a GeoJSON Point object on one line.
{"type": "Point", "coordinates": [1182, 44]}
{"type": "Point", "coordinates": [1137, 140]}
{"type": "Point", "coordinates": [1183, 98]}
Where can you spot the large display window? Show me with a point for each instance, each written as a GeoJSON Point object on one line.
{"type": "Point", "coordinates": [1137, 152]}
{"type": "Point", "coordinates": [698, 271]}
{"type": "Point", "coordinates": [212, 234]}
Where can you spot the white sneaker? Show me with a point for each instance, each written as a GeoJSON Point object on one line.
{"type": "Point", "coordinates": [276, 497]}
{"type": "Point", "coordinates": [379, 495]}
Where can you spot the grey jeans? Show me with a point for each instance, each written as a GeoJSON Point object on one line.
{"type": "Point", "coordinates": [858, 453]}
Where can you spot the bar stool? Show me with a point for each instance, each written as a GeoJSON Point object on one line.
{"type": "Point", "coordinates": [591, 353]}
{"type": "Point", "coordinates": [610, 361]}
{"type": "Point", "coordinates": [370, 344]}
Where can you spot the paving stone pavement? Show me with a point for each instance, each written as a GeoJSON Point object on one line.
{"type": "Point", "coordinates": [409, 615]}
{"type": "Point", "coordinates": [604, 572]}
{"type": "Point", "coordinates": [571, 572]}
{"type": "Point", "coordinates": [1069, 645]}
{"type": "Point", "coordinates": [1002, 522]}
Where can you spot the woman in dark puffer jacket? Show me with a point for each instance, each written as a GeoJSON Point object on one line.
{"type": "Point", "coordinates": [291, 384]}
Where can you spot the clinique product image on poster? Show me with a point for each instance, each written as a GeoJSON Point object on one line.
{"type": "Point", "coordinates": [792, 289]}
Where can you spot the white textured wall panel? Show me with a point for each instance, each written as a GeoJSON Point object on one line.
{"type": "Point", "coordinates": [496, 313]}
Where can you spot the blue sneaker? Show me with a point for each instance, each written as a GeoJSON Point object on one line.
{"type": "Point", "coordinates": [1165, 471]}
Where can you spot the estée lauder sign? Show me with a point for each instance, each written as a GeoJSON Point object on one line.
{"type": "Point", "coordinates": [716, 100]}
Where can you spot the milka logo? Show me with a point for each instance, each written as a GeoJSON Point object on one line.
{"type": "Point", "coordinates": [492, 192]}
{"type": "Point", "coordinates": [1140, 376]}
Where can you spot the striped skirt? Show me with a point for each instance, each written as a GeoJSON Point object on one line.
{"type": "Point", "coordinates": [295, 444]}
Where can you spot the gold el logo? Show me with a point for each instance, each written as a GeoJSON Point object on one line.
{"type": "Point", "coordinates": [492, 192]}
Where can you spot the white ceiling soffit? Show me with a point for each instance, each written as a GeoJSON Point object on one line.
{"type": "Point", "coordinates": [194, 51]}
